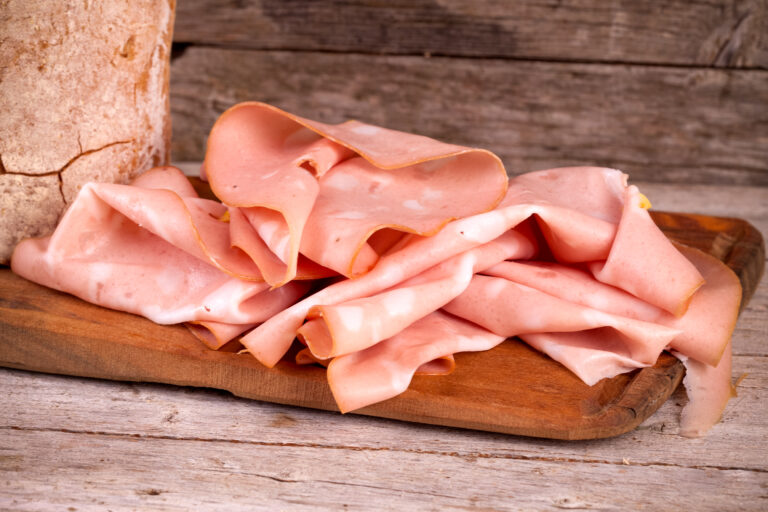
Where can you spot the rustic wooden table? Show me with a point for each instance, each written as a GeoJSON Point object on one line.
{"type": "Point", "coordinates": [80, 444]}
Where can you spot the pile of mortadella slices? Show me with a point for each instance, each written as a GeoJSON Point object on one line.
{"type": "Point", "coordinates": [385, 253]}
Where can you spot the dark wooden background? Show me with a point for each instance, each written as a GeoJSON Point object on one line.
{"type": "Point", "coordinates": [673, 91]}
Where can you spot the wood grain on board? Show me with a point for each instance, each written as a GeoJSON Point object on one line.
{"type": "Point", "coordinates": [725, 33]}
{"type": "Point", "coordinates": [658, 123]}
{"type": "Point", "coordinates": [511, 389]}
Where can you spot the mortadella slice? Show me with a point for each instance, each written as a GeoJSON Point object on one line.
{"type": "Point", "coordinates": [578, 236]}
{"type": "Point", "coordinates": [271, 340]}
{"type": "Point", "coordinates": [714, 308]}
{"type": "Point", "coordinates": [357, 199]}
{"type": "Point", "coordinates": [592, 355]}
{"type": "Point", "coordinates": [645, 263]}
{"type": "Point", "coordinates": [133, 270]}
{"type": "Point", "coordinates": [711, 317]}
{"type": "Point", "coordinates": [115, 247]}
{"type": "Point", "coordinates": [705, 328]}
{"type": "Point", "coordinates": [255, 160]}
{"type": "Point", "coordinates": [189, 223]}
{"type": "Point", "coordinates": [512, 309]}
{"type": "Point", "coordinates": [244, 237]}
{"type": "Point", "coordinates": [358, 324]}
{"type": "Point", "coordinates": [334, 330]}
{"type": "Point", "coordinates": [594, 191]}
{"type": "Point", "coordinates": [385, 369]}
{"type": "Point", "coordinates": [269, 161]}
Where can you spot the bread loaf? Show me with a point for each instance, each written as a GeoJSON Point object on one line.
{"type": "Point", "coordinates": [84, 97]}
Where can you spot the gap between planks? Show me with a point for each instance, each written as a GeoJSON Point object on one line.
{"type": "Point", "coordinates": [180, 47]}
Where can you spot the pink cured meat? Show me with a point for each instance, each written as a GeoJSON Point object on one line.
{"type": "Point", "coordinates": [705, 328]}
{"type": "Point", "coordinates": [592, 355]}
{"type": "Point", "coordinates": [112, 251]}
{"type": "Point", "coordinates": [355, 325]}
{"type": "Point", "coordinates": [419, 198]}
{"type": "Point", "coordinates": [408, 222]}
{"type": "Point", "coordinates": [294, 176]}
{"type": "Point", "coordinates": [358, 324]}
{"type": "Point", "coordinates": [511, 309]}
{"type": "Point", "coordinates": [576, 236]}
{"type": "Point", "coordinates": [703, 345]}
{"type": "Point", "coordinates": [645, 263]}
{"type": "Point", "coordinates": [443, 365]}
{"type": "Point", "coordinates": [385, 369]}
{"type": "Point", "coordinates": [711, 316]}
{"type": "Point", "coordinates": [244, 237]}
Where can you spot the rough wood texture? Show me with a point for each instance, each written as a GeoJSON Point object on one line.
{"type": "Point", "coordinates": [657, 123]}
{"type": "Point", "coordinates": [226, 476]}
{"type": "Point", "coordinates": [724, 33]}
{"type": "Point", "coordinates": [43, 330]}
{"type": "Point", "coordinates": [97, 445]}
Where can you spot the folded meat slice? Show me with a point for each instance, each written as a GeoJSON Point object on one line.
{"type": "Point", "coordinates": [115, 247]}
{"type": "Point", "coordinates": [188, 223]}
{"type": "Point", "coordinates": [443, 365]}
{"type": "Point", "coordinates": [271, 340]}
{"type": "Point", "coordinates": [573, 284]}
{"type": "Point", "coordinates": [583, 206]}
{"type": "Point", "coordinates": [512, 309]}
{"type": "Point", "coordinates": [256, 159]}
{"type": "Point", "coordinates": [595, 191]}
{"type": "Point", "coordinates": [641, 260]}
{"type": "Point", "coordinates": [703, 342]}
{"type": "Point", "coordinates": [645, 263]}
{"type": "Point", "coordinates": [357, 199]}
{"type": "Point", "coordinates": [385, 369]}
{"type": "Point", "coordinates": [334, 330]}
{"type": "Point", "coordinates": [705, 328]}
{"type": "Point", "coordinates": [712, 313]}
{"type": "Point", "coordinates": [340, 329]}
{"type": "Point", "coordinates": [269, 162]}
{"type": "Point", "coordinates": [573, 236]}
{"type": "Point", "coordinates": [708, 323]}
{"type": "Point", "coordinates": [244, 237]}
{"type": "Point", "coordinates": [135, 271]}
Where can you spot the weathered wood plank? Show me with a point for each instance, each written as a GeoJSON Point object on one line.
{"type": "Point", "coordinates": [728, 33]}
{"type": "Point", "coordinates": [45, 469]}
{"type": "Point", "coordinates": [657, 123]}
{"type": "Point", "coordinates": [147, 410]}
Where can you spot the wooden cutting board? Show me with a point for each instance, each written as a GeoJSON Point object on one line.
{"type": "Point", "coordinates": [511, 389]}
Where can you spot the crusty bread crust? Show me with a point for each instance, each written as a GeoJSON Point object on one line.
{"type": "Point", "coordinates": [84, 97]}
